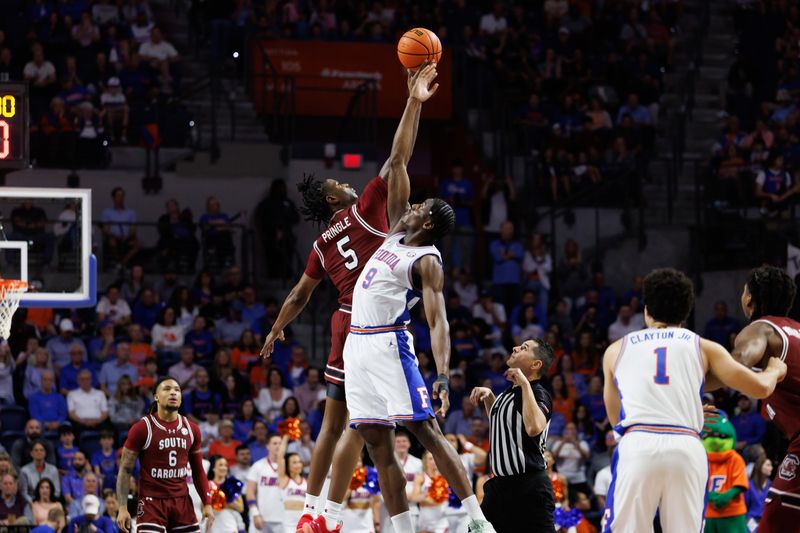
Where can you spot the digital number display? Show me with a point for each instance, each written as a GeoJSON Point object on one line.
{"type": "Point", "coordinates": [14, 133]}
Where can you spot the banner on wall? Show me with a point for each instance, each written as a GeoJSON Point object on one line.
{"type": "Point", "coordinates": [327, 74]}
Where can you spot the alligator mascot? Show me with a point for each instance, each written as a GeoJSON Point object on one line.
{"type": "Point", "coordinates": [726, 511]}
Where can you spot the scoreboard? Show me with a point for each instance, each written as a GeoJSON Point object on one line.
{"type": "Point", "coordinates": [14, 125]}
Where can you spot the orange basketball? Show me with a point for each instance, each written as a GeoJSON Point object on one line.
{"type": "Point", "coordinates": [417, 46]}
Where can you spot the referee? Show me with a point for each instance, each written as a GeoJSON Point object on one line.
{"type": "Point", "coordinates": [519, 497]}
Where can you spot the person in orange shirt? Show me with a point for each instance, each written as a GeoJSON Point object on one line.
{"type": "Point", "coordinates": [140, 351]}
{"type": "Point", "coordinates": [225, 445]}
{"type": "Point", "coordinates": [562, 400]}
{"type": "Point", "coordinates": [727, 477]}
{"type": "Point", "coordinates": [246, 353]}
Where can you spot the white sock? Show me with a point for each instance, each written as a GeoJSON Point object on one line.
{"type": "Point", "coordinates": [473, 508]}
{"type": "Point", "coordinates": [402, 523]}
{"type": "Point", "coordinates": [332, 513]}
{"type": "Point", "coordinates": [312, 502]}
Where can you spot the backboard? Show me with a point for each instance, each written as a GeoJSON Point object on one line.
{"type": "Point", "coordinates": [46, 240]}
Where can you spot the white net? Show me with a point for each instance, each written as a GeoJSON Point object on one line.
{"type": "Point", "coordinates": [10, 292]}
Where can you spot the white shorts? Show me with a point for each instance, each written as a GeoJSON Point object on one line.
{"type": "Point", "coordinates": [654, 471]}
{"type": "Point", "coordinates": [383, 384]}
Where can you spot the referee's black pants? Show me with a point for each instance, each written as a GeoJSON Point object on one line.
{"type": "Point", "coordinates": [519, 503]}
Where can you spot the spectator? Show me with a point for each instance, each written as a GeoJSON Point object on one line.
{"type": "Point", "coordinates": [142, 28]}
{"type": "Point", "coordinates": [113, 370]}
{"type": "Point", "coordinates": [55, 140]}
{"type": "Point", "coordinates": [494, 314]}
{"type": "Point", "coordinates": [624, 324]}
{"type": "Point", "coordinates": [270, 398]}
{"type": "Point", "coordinates": [157, 51]}
{"type": "Point", "coordinates": [21, 449]}
{"type": "Point", "coordinates": [146, 310]}
{"type": "Point", "coordinates": [537, 266]}
{"type": "Point", "coordinates": [104, 13]}
{"type": "Point", "coordinates": [185, 308]}
{"type": "Point", "coordinates": [72, 481]}
{"type": "Point", "coordinates": [585, 356]}
{"type": "Point", "coordinates": [507, 254]}
{"type": "Point", "coordinates": [104, 461]}
{"type": "Point", "coordinates": [563, 402]}
{"type": "Point", "coordinates": [167, 335]}
{"type": "Point", "coordinates": [66, 451]}
{"type": "Point", "coordinates": [459, 422]}
{"type": "Point", "coordinates": [103, 347]}
{"type": "Point", "coordinates": [593, 400]}
{"type": "Point", "coordinates": [7, 366]}
{"type": "Point", "coordinates": [721, 326]}
{"type": "Point", "coordinates": [29, 223]}
{"type": "Point", "coordinates": [496, 197]}
{"type": "Point", "coordinates": [304, 447]}
{"type": "Point", "coordinates": [140, 350]}
{"type": "Point", "coordinates": [258, 446]}
{"type": "Point", "coordinates": [131, 289]}
{"type": "Point", "coordinates": [14, 509]}
{"type": "Point", "coordinates": [246, 354]}
{"type": "Point", "coordinates": [177, 242]}
{"type": "Point", "coordinates": [68, 378]}
{"type": "Point", "coordinates": [602, 481]}
{"type": "Point", "coordinates": [774, 186]}
{"type": "Point", "coordinates": [46, 404]}
{"type": "Point", "coordinates": [639, 113]}
{"type": "Point", "coordinates": [200, 338]}
{"type": "Point", "coordinates": [119, 230]}
{"type": "Point", "coordinates": [43, 507]}
{"type": "Point", "coordinates": [571, 455]}
{"type": "Point", "coordinates": [458, 192]}
{"type": "Point", "coordinates": [36, 361]}
{"type": "Point", "coordinates": [756, 495]}
{"type": "Point", "coordinates": [241, 467]}
{"type": "Point", "coordinates": [201, 399]}
{"type": "Point", "coordinates": [527, 326]}
{"type": "Point", "coordinates": [88, 407]}
{"type": "Point", "coordinates": [216, 231]}
{"type": "Point", "coordinates": [466, 288]}
{"type": "Point", "coordinates": [185, 370]}
{"type": "Point", "coordinates": [112, 307]}
{"type": "Point", "coordinates": [244, 421]}
{"type": "Point", "coordinates": [231, 396]}
{"type": "Point", "coordinates": [298, 362]}
{"type": "Point", "coordinates": [91, 488]}
{"type": "Point", "coordinates": [572, 273]}
{"type": "Point", "coordinates": [89, 513]}
{"type": "Point", "coordinates": [226, 445]}
{"type": "Point", "coordinates": [60, 348]}
{"type": "Point", "coordinates": [41, 74]}
{"type": "Point", "coordinates": [750, 426]}
{"type": "Point", "coordinates": [311, 391]}
{"type": "Point", "coordinates": [277, 215]}
{"type": "Point", "coordinates": [38, 469]}
{"type": "Point", "coordinates": [125, 406]}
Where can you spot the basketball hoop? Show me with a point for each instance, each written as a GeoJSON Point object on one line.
{"type": "Point", "coordinates": [10, 292]}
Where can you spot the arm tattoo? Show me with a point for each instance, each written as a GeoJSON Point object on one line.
{"type": "Point", "coordinates": [126, 464]}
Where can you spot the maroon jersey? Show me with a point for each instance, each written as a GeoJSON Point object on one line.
{"type": "Point", "coordinates": [164, 449]}
{"type": "Point", "coordinates": [782, 406]}
{"type": "Point", "coordinates": [350, 239]}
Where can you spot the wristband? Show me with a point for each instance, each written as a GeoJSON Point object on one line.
{"type": "Point", "coordinates": [253, 512]}
{"type": "Point", "coordinates": [444, 383]}
{"type": "Point", "coordinates": [251, 503]}
{"type": "Point", "coordinates": [468, 446]}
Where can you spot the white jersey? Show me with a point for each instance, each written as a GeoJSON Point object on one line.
{"type": "Point", "coordinates": [384, 291]}
{"type": "Point", "coordinates": [269, 496]}
{"type": "Point", "coordinates": [294, 493]}
{"type": "Point", "coordinates": [357, 520]}
{"type": "Point", "coordinates": [659, 373]}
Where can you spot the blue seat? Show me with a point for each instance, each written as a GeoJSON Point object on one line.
{"type": "Point", "coordinates": [89, 442]}
{"type": "Point", "coordinates": [7, 438]}
{"type": "Point", "coordinates": [13, 418]}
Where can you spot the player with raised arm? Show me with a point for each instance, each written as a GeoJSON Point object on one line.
{"type": "Point", "coordinates": [384, 384]}
{"type": "Point", "coordinates": [654, 382]}
{"type": "Point", "coordinates": [167, 445]}
{"type": "Point", "coordinates": [355, 228]}
{"type": "Point", "coordinates": [766, 299]}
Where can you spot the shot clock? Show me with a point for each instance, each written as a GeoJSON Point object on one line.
{"type": "Point", "coordinates": [14, 133]}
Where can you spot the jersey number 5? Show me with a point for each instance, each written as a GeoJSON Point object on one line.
{"type": "Point", "coordinates": [661, 377]}
{"type": "Point", "coordinates": [349, 256]}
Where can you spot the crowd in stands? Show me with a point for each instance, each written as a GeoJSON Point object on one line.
{"type": "Point", "coordinates": [95, 69]}
{"type": "Point", "coordinates": [755, 160]}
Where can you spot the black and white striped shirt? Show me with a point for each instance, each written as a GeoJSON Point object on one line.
{"type": "Point", "coordinates": [511, 450]}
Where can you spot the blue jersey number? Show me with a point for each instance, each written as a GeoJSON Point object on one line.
{"type": "Point", "coordinates": [661, 377]}
{"type": "Point", "coordinates": [369, 277]}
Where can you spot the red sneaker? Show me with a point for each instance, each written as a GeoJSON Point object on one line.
{"type": "Point", "coordinates": [305, 519]}
{"type": "Point", "coordinates": [318, 526]}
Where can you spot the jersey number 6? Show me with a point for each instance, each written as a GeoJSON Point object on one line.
{"type": "Point", "coordinates": [349, 256]}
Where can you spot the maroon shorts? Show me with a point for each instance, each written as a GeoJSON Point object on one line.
{"type": "Point", "coordinates": [166, 515]}
{"type": "Point", "coordinates": [340, 327]}
{"type": "Point", "coordinates": [782, 509]}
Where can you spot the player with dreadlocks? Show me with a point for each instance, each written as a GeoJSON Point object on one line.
{"type": "Point", "coordinates": [354, 228]}
{"type": "Point", "coordinates": [766, 299]}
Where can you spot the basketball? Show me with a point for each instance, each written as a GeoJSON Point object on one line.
{"type": "Point", "coordinates": [417, 46]}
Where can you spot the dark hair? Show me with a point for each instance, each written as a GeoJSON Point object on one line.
{"type": "Point", "coordinates": [544, 353]}
{"type": "Point", "coordinates": [669, 294]}
{"type": "Point", "coordinates": [772, 291]}
{"type": "Point", "coordinates": [36, 494]}
{"type": "Point", "coordinates": [522, 321]}
{"type": "Point", "coordinates": [115, 190]}
{"type": "Point", "coordinates": [287, 458]}
{"type": "Point", "coordinates": [756, 476]}
{"type": "Point", "coordinates": [242, 447]}
{"type": "Point", "coordinates": [284, 408]}
{"type": "Point", "coordinates": [443, 218]}
{"type": "Point", "coordinates": [212, 463]}
{"type": "Point", "coordinates": [315, 206]}
{"type": "Point", "coordinates": [154, 405]}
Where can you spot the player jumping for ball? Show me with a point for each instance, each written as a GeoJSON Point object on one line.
{"type": "Point", "coordinates": [653, 387]}
{"type": "Point", "coordinates": [384, 384]}
{"type": "Point", "coordinates": [355, 228]}
{"type": "Point", "coordinates": [167, 445]}
{"type": "Point", "coordinates": [766, 299]}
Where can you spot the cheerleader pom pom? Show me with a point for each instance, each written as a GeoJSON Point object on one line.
{"type": "Point", "coordinates": [358, 479]}
{"type": "Point", "coordinates": [371, 483]}
{"type": "Point", "coordinates": [567, 519]}
{"type": "Point", "coordinates": [290, 427]}
{"type": "Point", "coordinates": [439, 490]}
{"type": "Point", "coordinates": [453, 500]}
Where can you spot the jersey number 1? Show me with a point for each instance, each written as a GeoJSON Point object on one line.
{"type": "Point", "coordinates": [349, 256]}
{"type": "Point", "coordinates": [661, 377]}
